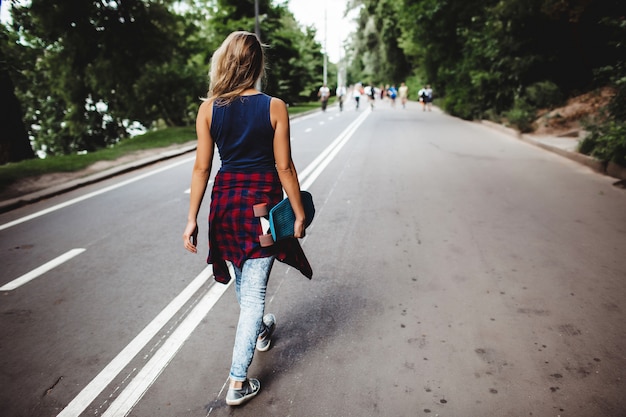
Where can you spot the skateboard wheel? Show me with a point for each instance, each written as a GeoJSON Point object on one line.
{"type": "Point", "coordinates": [266, 240]}
{"type": "Point", "coordinates": [260, 210]}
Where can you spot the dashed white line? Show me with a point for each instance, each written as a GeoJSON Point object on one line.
{"type": "Point", "coordinates": [35, 273]}
{"type": "Point", "coordinates": [89, 195]}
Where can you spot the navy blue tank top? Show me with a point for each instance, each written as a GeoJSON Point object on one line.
{"type": "Point", "coordinates": [244, 134]}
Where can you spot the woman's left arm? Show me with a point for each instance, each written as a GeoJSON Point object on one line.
{"type": "Point", "coordinates": [284, 163]}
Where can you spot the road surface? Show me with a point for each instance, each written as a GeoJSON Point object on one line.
{"type": "Point", "coordinates": [457, 272]}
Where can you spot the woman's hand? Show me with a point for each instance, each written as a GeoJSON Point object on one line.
{"type": "Point", "coordinates": [190, 236]}
{"type": "Point", "coordinates": [298, 229]}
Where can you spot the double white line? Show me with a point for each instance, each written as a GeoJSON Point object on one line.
{"type": "Point", "coordinates": [315, 168]}
{"type": "Point", "coordinates": [135, 390]}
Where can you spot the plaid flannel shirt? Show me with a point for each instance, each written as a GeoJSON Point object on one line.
{"type": "Point", "coordinates": [234, 230]}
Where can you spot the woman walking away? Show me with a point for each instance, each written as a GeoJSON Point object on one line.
{"type": "Point", "coordinates": [404, 94]}
{"type": "Point", "coordinates": [251, 131]}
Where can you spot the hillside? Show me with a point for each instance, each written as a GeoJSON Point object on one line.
{"type": "Point", "coordinates": [567, 120]}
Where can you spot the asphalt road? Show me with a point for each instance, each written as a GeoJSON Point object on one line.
{"type": "Point", "coordinates": [457, 272]}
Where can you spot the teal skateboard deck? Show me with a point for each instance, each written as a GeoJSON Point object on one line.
{"type": "Point", "coordinates": [281, 218]}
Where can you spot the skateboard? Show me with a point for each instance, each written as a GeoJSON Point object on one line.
{"type": "Point", "coordinates": [279, 220]}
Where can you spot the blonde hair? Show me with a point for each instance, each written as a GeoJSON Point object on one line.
{"type": "Point", "coordinates": [235, 67]}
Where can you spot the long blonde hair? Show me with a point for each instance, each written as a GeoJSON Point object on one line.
{"type": "Point", "coordinates": [235, 67]}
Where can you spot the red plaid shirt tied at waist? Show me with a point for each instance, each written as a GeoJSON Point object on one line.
{"type": "Point", "coordinates": [234, 230]}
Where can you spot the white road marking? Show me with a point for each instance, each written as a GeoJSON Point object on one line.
{"type": "Point", "coordinates": [146, 377]}
{"type": "Point", "coordinates": [35, 273]}
{"type": "Point", "coordinates": [315, 168]}
{"type": "Point", "coordinates": [301, 119]}
{"type": "Point", "coordinates": [92, 194]}
{"type": "Point", "coordinates": [104, 378]}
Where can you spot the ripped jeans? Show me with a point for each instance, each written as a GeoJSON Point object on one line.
{"type": "Point", "coordinates": [250, 286]}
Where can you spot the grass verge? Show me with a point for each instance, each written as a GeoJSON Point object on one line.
{"type": "Point", "coordinates": [12, 172]}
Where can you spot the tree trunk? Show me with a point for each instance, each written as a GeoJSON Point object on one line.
{"type": "Point", "coordinates": [14, 142]}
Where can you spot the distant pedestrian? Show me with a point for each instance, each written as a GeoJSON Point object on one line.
{"type": "Point", "coordinates": [324, 95]}
{"type": "Point", "coordinates": [251, 131]}
{"type": "Point", "coordinates": [341, 95]}
{"type": "Point", "coordinates": [356, 93]}
{"type": "Point", "coordinates": [429, 97]}
{"type": "Point", "coordinates": [403, 91]}
{"type": "Point", "coordinates": [392, 93]}
{"type": "Point", "coordinates": [423, 97]}
{"type": "Point", "coordinates": [371, 94]}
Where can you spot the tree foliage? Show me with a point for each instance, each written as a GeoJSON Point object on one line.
{"type": "Point", "coordinates": [91, 63]}
{"type": "Point", "coordinates": [85, 71]}
{"type": "Point", "coordinates": [482, 55]}
{"type": "Point", "coordinates": [14, 143]}
{"type": "Point", "coordinates": [375, 55]}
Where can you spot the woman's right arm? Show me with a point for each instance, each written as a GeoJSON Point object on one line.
{"type": "Point", "coordinates": [200, 174]}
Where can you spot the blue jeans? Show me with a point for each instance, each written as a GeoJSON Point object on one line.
{"type": "Point", "coordinates": [250, 286]}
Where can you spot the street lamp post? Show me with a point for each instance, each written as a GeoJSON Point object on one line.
{"type": "Point", "coordinates": [257, 29]}
{"type": "Point", "coordinates": [325, 45]}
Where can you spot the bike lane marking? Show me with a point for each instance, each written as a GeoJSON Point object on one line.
{"type": "Point", "coordinates": [151, 371]}
{"type": "Point", "coordinates": [106, 376]}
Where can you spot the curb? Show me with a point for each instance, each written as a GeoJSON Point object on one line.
{"type": "Point", "coordinates": [611, 169]}
{"type": "Point", "coordinates": [23, 200]}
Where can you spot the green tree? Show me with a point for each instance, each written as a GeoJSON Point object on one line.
{"type": "Point", "coordinates": [88, 69]}
{"type": "Point", "coordinates": [483, 55]}
{"type": "Point", "coordinates": [94, 61]}
{"type": "Point", "coordinates": [376, 55]}
{"type": "Point", "coordinates": [14, 142]}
